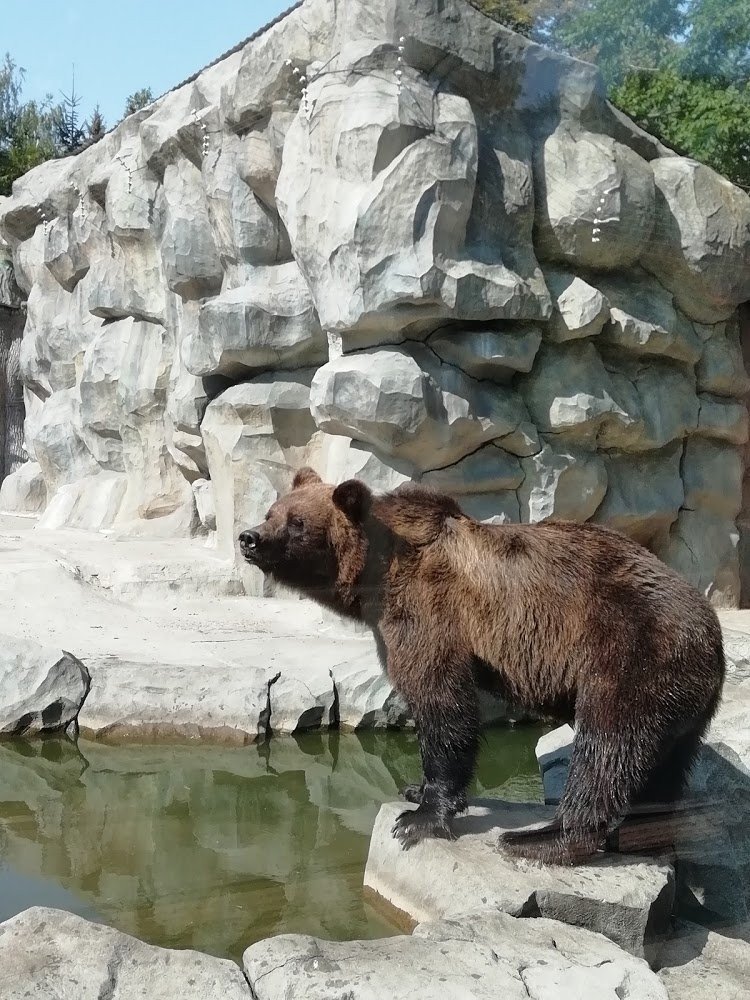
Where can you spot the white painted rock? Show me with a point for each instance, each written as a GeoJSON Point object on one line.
{"type": "Point", "coordinates": [482, 956]}
{"type": "Point", "coordinates": [596, 201]}
{"type": "Point", "coordinates": [57, 954]}
{"type": "Point", "coordinates": [627, 901]}
{"type": "Point", "coordinates": [41, 689]}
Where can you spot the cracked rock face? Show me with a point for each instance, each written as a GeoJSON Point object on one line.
{"type": "Point", "coordinates": [68, 957]}
{"type": "Point", "coordinates": [481, 956]}
{"type": "Point", "coordinates": [460, 258]}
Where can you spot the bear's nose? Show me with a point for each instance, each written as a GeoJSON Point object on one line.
{"type": "Point", "coordinates": [249, 539]}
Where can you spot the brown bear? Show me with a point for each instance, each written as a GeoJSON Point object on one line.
{"type": "Point", "coordinates": [572, 621]}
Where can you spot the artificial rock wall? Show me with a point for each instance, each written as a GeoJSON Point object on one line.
{"type": "Point", "coordinates": [391, 239]}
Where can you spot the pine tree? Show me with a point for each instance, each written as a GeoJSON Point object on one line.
{"type": "Point", "coordinates": [95, 126]}
{"type": "Point", "coordinates": [70, 132]}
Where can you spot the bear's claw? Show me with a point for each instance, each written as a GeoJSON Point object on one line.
{"type": "Point", "coordinates": [414, 825]}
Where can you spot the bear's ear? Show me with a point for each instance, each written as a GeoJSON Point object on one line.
{"type": "Point", "coordinates": [305, 477]}
{"type": "Point", "coordinates": [354, 499]}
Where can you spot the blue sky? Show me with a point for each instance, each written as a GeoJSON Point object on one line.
{"type": "Point", "coordinates": [119, 47]}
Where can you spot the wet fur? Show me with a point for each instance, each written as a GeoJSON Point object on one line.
{"type": "Point", "coordinates": [568, 620]}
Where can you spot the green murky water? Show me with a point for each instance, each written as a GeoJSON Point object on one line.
{"type": "Point", "coordinates": [212, 848]}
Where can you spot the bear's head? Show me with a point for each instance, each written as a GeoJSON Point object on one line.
{"type": "Point", "coordinates": [314, 538]}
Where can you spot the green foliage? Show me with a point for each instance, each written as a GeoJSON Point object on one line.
{"type": "Point", "coordinates": [704, 119]}
{"type": "Point", "coordinates": [70, 132]}
{"type": "Point", "coordinates": [138, 100]}
{"type": "Point", "coordinates": [27, 130]}
{"type": "Point", "coordinates": [519, 15]}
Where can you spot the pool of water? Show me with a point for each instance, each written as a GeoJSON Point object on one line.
{"type": "Point", "coordinates": [213, 848]}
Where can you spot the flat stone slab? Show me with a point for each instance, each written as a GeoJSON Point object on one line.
{"type": "Point", "coordinates": [698, 964]}
{"type": "Point", "coordinates": [483, 956]}
{"type": "Point", "coordinates": [627, 899]}
{"type": "Point", "coordinates": [47, 953]}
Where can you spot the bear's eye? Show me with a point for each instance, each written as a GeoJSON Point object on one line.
{"type": "Point", "coordinates": [296, 523]}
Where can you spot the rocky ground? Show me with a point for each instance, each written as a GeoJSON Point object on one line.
{"type": "Point", "coordinates": [144, 639]}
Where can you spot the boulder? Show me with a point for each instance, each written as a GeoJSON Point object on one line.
{"type": "Point", "coordinates": [380, 231]}
{"type": "Point", "coordinates": [489, 470]}
{"type": "Point", "coordinates": [189, 257]}
{"type": "Point", "coordinates": [722, 419]}
{"type": "Point", "coordinates": [489, 353]}
{"type": "Point", "coordinates": [703, 546]}
{"type": "Point", "coordinates": [269, 322]}
{"type": "Point", "coordinates": [644, 494]}
{"type": "Point", "coordinates": [365, 698]}
{"type": "Point", "coordinates": [595, 201]}
{"type": "Point", "coordinates": [481, 956]}
{"type": "Point", "coordinates": [89, 504]}
{"type": "Point", "coordinates": [721, 369]}
{"type": "Point", "coordinates": [561, 482]}
{"type": "Point", "coordinates": [41, 689]}
{"type": "Point", "coordinates": [24, 491]}
{"type": "Point", "coordinates": [62, 955]}
{"type": "Point", "coordinates": [712, 473]}
{"type": "Point", "coordinates": [405, 404]}
{"type": "Point", "coordinates": [643, 321]}
{"type": "Point", "coordinates": [699, 963]}
{"type": "Point", "coordinates": [256, 435]}
{"type": "Point", "coordinates": [628, 901]}
{"type": "Point", "coordinates": [579, 309]}
{"type": "Point", "coordinates": [701, 244]}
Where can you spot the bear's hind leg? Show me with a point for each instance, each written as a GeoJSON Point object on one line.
{"type": "Point", "coordinates": [606, 771]}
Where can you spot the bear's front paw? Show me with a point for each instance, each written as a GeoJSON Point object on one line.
{"type": "Point", "coordinates": [413, 793]}
{"type": "Point", "coordinates": [418, 824]}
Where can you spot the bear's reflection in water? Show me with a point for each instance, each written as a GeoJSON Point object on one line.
{"type": "Point", "coordinates": [213, 848]}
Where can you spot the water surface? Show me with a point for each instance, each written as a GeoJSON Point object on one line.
{"type": "Point", "coordinates": [214, 848]}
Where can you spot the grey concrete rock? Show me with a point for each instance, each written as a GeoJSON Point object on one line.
{"type": "Point", "coordinates": [256, 435]}
{"type": "Point", "coordinates": [268, 323]}
{"type": "Point", "coordinates": [479, 957]}
{"type": "Point", "coordinates": [644, 494]}
{"type": "Point", "coordinates": [628, 902]}
{"type": "Point", "coordinates": [722, 419]}
{"type": "Point", "coordinates": [721, 370]}
{"type": "Point", "coordinates": [553, 752]}
{"type": "Point", "coordinates": [712, 474]}
{"type": "Point", "coordinates": [403, 403]}
{"type": "Point", "coordinates": [297, 203]}
{"type": "Point", "coordinates": [205, 503]}
{"type": "Point", "coordinates": [701, 244]}
{"type": "Point", "coordinates": [155, 699]}
{"type": "Point", "coordinates": [596, 201]}
{"type": "Point", "coordinates": [62, 955]}
{"type": "Point", "coordinates": [24, 491]}
{"type": "Point", "coordinates": [699, 963]}
{"type": "Point", "coordinates": [93, 503]}
{"type": "Point", "coordinates": [643, 321]}
{"type": "Point", "coordinates": [561, 482]}
{"type": "Point", "coordinates": [493, 354]}
{"type": "Point", "coordinates": [580, 310]}
{"type": "Point", "coordinates": [703, 546]}
{"type": "Point", "coordinates": [364, 695]}
{"type": "Point", "coordinates": [489, 470]}
{"type": "Point", "coordinates": [41, 689]}
{"type": "Point", "coordinates": [11, 295]}
{"type": "Point", "coordinates": [189, 258]}
{"type": "Point", "coordinates": [571, 393]}
{"type": "Point", "coordinates": [247, 231]}
{"type": "Point", "coordinates": [377, 245]}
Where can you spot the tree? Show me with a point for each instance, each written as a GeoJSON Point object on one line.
{"type": "Point", "coordinates": [138, 100]}
{"type": "Point", "coordinates": [95, 126]}
{"type": "Point", "coordinates": [27, 130]}
{"type": "Point", "coordinates": [70, 132]}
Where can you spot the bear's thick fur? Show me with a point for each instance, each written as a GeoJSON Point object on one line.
{"type": "Point", "coordinates": [569, 620]}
